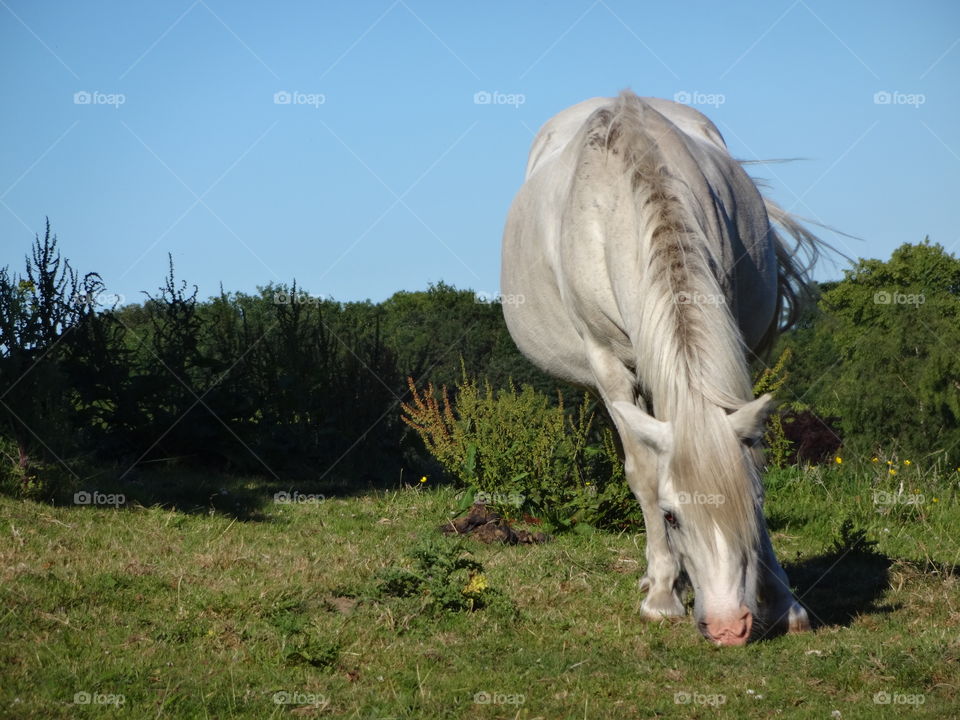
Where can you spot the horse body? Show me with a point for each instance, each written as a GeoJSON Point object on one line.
{"type": "Point", "coordinates": [649, 269]}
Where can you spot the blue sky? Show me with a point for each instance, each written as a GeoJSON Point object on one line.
{"type": "Point", "coordinates": [382, 173]}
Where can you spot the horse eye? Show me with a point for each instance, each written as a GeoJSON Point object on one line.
{"type": "Point", "coordinates": [671, 520]}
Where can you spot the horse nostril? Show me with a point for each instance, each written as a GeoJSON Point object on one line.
{"type": "Point", "coordinates": [733, 631]}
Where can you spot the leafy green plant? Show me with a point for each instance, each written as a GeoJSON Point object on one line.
{"type": "Point", "coordinates": [527, 456]}
{"type": "Point", "coordinates": [852, 539]}
{"type": "Point", "coordinates": [769, 381]}
{"type": "Point", "coordinates": [444, 575]}
{"type": "Point", "coordinates": [312, 647]}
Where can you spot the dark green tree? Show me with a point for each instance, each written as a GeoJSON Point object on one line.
{"type": "Point", "coordinates": [38, 312]}
{"type": "Point", "coordinates": [883, 353]}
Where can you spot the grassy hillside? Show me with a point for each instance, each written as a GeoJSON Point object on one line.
{"type": "Point", "coordinates": [212, 610]}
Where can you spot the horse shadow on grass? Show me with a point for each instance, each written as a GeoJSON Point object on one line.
{"type": "Point", "coordinates": [836, 588]}
{"type": "Point", "coordinates": [847, 580]}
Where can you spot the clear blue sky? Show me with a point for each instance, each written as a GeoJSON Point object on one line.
{"type": "Point", "coordinates": [398, 178]}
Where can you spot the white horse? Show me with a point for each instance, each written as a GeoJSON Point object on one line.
{"type": "Point", "coordinates": [649, 269]}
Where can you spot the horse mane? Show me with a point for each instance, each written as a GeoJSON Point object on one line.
{"type": "Point", "coordinates": [794, 265]}
{"type": "Point", "coordinates": [691, 361]}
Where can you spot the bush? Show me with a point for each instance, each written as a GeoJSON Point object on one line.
{"type": "Point", "coordinates": [526, 455]}
{"type": "Point", "coordinates": [881, 354]}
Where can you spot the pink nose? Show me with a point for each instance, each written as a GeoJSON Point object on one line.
{"type": "Point", "coordinates": [731, 630]}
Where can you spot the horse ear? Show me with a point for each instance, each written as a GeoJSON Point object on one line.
{"type": "Point", "coordinates": [653, 433]}
{"type": "Point", "coordinates": [748, 422]}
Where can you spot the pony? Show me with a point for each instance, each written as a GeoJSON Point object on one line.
{"type": "Point", "coordinates": [651, 273]}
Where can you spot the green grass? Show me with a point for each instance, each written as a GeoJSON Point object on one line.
{"type": "Point", "coordinates": [202, 612]}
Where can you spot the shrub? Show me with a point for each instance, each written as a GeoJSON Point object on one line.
{"type": "Point", "coordinates": [769, 381]}
{"type": "Point", "coordinates": [526, 455]}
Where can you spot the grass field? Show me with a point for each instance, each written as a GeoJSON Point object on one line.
{"type": "Point", "coordinates": [229, 604]}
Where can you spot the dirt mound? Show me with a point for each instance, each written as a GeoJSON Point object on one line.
{"type": "Point", "coordinates": [487, 526]}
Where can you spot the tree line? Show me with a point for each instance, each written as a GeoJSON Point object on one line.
{"type": "Point", "coordinates": [279, 382]}
{"type": "Point", "coordinates": [282, 383]}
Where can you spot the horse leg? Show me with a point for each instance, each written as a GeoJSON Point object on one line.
{"type": "Point", "coordinates": [782, 611]}
{"type": "Point", "coordinates": [663, 569]}
{"type": "Point", "coordinates": [616, 383]}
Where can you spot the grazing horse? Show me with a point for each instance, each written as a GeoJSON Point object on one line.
{"type": "Point", "coordinates": [650, 270]}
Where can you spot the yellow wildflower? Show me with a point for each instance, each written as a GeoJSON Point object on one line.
{"type": "Point", "coordinates": [838, 460]}
{"type": "Point", "coordinates": [907, 462]}
{"type": "Point", "coordinates": [478, 583]}
{"type": "Point", "coordinates": [892, 471]}
{"type": "Point", "coordinates": [423, 479]}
